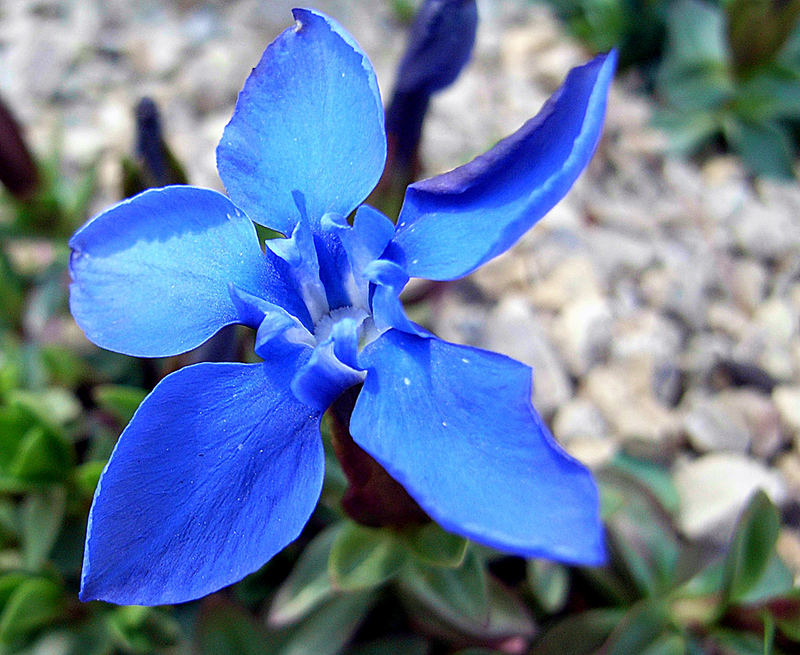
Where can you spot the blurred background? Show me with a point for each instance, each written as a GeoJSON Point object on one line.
{"type": "Point", "coordinates": [658, 305]}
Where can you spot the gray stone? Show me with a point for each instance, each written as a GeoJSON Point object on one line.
{"type": "Point", "coordinates": [514, 330]}
{"type": "Point", "coordinates": [582, 332]}
{"type": "Point", "coordinates": [623, 393]}
{"type": "Point", "coordinates": [713, 424]}
{"type": "Point", "coordinates": [714, 488]}
{"type": "Point", "coordinates": [787, 401]}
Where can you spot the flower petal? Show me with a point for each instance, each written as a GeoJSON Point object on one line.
{"type": "Point", "coordinates": [453, 223]}
{"type": "Point", "coordinates": [454, 425]}
{"type": "Point", "coordinates": [329, 370]}
{"type": "Point", "coordinates": [307, 135]}
{"type": "Point", "coordinates": [389, 280]}
{"type": "Point", "coordinates": [219, 469]}
{"type": "Point", "coordinates": [362, 243]}
{"type": "Point", "coordinates": [150, 276]}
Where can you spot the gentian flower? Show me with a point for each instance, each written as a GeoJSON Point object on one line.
{"type": "Point", "coordinates": [222, 464]}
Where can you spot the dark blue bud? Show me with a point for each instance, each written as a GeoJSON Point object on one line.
{"type": "Point", "coordinates": [149, 142]}
{"type": "Point", "coordinates": [439, 45]}
{"type": "Point", "coordinates": [17, 169]}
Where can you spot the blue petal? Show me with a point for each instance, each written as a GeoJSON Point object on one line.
{"type": "Point", "coordinates": [271, 321]}
{"type": "Point", "coordinates": [300, 253]}
{"type": "Point", "coordinates": [454, 425]}
{"type": "Point", "coordinates": [363, 243]}
{"type": "Point", "coordinates": [307, 135]}
{"type": "Point", "coordinates": [219, 469]}
{"type": "Point", "coordinates": [150, 276]}
{"type": "Point", "coordinates": [331, 368]}
{"type": "Point", "coordinates": [451, 224]}
{"type": "Point", "coordinates": [389, 280]}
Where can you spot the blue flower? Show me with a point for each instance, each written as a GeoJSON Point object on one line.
{"type": "Point", "coordinates": [222, 464]}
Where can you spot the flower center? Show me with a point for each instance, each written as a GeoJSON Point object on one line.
{"type": "Point", "coordinates": [324, 326]}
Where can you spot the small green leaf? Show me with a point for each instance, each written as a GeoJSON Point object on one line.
{"type": "Point", "coordinates": [143, 629]}
{"type": "Point", "coordinates": [8, 583]}
{"type": "Point", "coordinates": [363, 558]}
{"type": "Point", "coordinates": [430, 544]}
{"type": "Point", "coordinates": [327, 629]}
{"type": "Point", "coordinates": [309, 583]}
{"type": "Point", "coordinates": [776, 581]}
{"type": "Point", "coordinates": [32, 605]}
{"type": "Point", "coordinates": [769, 635]}
{"type": "Point", "coordinates": [696, 33]}
{"type": "Point", "coordinates": [667, 644]}
{"type": "Point", "coordinates": [223, 627]}
{"type": "Point", "coordinates": [14, 424]}
{"type": "Point", "coordinates": [118, 400]}
{"type": "Point", "coordinates": [453, 594]}
{"type": "Point", "coordinates": [63, 365]}
{"type": "Point", "coordinates": [508, 615]}
{"type": "Point", "coordinates": [52, 407]}
{"type": "Point", "coordinates": [655, 478]}
{"type": "Point", "coordinates": [737, 643]}
{"type": "Point", "coordinates": [765, 146]}
{"type": "Point", "coordinates": [86, 477]}
{"type": "Point", "coordinates": [42, 456]}
{"type": "Point", "coordinates": [578, 634]}
{"type": "Point", "coordinates": [638, 629]}
{"type": "Point", "coordinates": [751, 548]}
{"type": "Point", "coordinates": [406, 645]}
{"type": "Point", "coordinates": [42, 514]}
{"type": "Point", "coordinates": [549, 582]}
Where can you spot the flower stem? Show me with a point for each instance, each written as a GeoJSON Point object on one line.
{"type": "Point", "coordinates": [373, 497]}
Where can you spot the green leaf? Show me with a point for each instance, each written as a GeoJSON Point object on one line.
{"type": "Point", "coordinates": [42, 514]}
{"type": "Point", "coordinates": [86, 477]}
{"type": "Point", "coordinates": [143, 629]}
{"type": "Point", "coordinates": [758, 29]}
{"type": "Point", "coordinates": [32, 605]}
{"type": "Point", "coordinates": [8, 583]}
{"type": "Point", "coordinates": [770, 95]}
{"type": "Point", "coordinates": [579, 634]}
{"type": "Point", "coordinates": [14, 424]}
{"type": "Point", "coordinates": [455, 595]}
{"type": "Point", "coordinates": [769, 635]}
{"type": "Point", "coordinates": [327, 630]}
{"type": "Point", "coordinates": [363, 558]}
{"type": "Point", "coordinates": [118, 400]}
{"type": "Point", "coordinates": [641, 541]}
{"type": "Point", "coordinates": [667, 644]}
{"type": "Point", "coordinates": [42, 456]}
{"type": "Point", "coordinates": [766, 146]}
{"type": "Point", "coordinates": [430, 544]}
{"type": "Point", "coordinates": [508, 615]}
{"type": "Point", "coordinates": [737, 643]}
{"type": "Point", "coordinates": [656, 478]}
{"type": "Point", "coordinates": [309, 583]}
{"type": "Point", "coordinates": [776, 581]}
{"type": "Point", "coordinates": [696, 34]}
{"type": "Point", "coordinates": [53, 407]}
{"type": "Point", "coordinates": [549, 583]}
{"type": "Point", "coordinates": [699, 600]}
{"type": "Point", "coordinates": [751, 548]}
{"type": "Point", "coordinates": [224, 628]}
{"type": "Point", "coordinates": [406, 645]}
{"type": "Point", "coordinates": [63, 365]}
{"type": "Point", "coordinates": [638, 629]}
